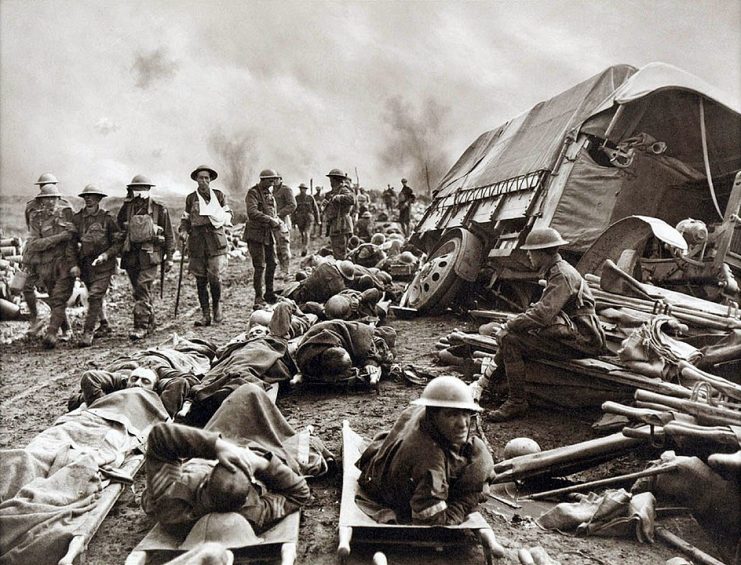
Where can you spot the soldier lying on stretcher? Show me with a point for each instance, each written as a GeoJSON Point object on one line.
{"type": "Point", "coordinates": [238, 463]}
{"type": "Point", "coordinates": [171, 385]}
{"type": "Point", "coordinates": [445, 484]}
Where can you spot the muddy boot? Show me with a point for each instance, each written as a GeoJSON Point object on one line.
{"type": "Point", "coordinates": [516, 405]}
{"type": "Point", "coordinates": [103, 330]}
{"type": "Point", "coordinates": [86, 340]}
{"type": "Point", "coordinates": [202, 286]}
{"type": "Point", "coordinates": [35, 324]}
{"type": "Point", "coordinates": [216, 299]}
{"type": "Point", "coordinates": [50, 339]}
{"type": "Point", "coordinates": [138, 333]}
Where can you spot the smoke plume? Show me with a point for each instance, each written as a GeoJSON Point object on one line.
{"type": "Point", "coordinates": [415, 142]}
{"type": "Point", "coordinates": [237, 157]}
{"type": "Point", "coordinates": [152, 67]}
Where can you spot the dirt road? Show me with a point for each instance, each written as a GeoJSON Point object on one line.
{"type": "Point", "coordinates": [36, 384]}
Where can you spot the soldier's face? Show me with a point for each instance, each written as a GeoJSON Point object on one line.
{"type": "Point", "coordinates": [145, 381]}
{"type": "Point", "coordinates": [203, 178]}
{"type": "Point", "coordinates": [536, 257]}
{"type": "Point", "coordinates": [91, 200]}
{"type": "Point", "coordinates": [453, 423]}
{"type": "Point", "coordinates": [48, 204]}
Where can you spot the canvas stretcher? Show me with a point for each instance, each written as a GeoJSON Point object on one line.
{"type": "Point", "coordinates": [357, 527]}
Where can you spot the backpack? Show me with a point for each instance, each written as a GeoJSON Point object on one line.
{"type": "Point", "coordinates": [141, 229]}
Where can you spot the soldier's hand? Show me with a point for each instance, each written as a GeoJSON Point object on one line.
{"type": "Point", "coordinates": [102, 258]}
{"type": "Point", "coordinates": [75, 271]}
{"type": "Point", "coordinates": [234, 457]}
{"type": "Point", "coordinates": [168, 266]}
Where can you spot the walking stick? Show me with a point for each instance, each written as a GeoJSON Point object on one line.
{"type": "Point", "coordinates": [180, 278]}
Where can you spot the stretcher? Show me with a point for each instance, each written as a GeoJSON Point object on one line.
{"type": "Point", "coordinates": [357, 527]}
{"type": "Point", "coordinates": [277, 543]}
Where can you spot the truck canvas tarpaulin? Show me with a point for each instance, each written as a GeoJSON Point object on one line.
{"type": "Point", "coordinates": [655, 141]}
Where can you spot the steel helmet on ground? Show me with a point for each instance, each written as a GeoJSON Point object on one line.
{"type": "Point", "coordinates": [337, 307]}
{"type": "Point", "coordinates": [337, 173]}
{"type": "Point", "coordinates": [140, 180]}
{"type": "Point", "coordinates": [46, 178]}
{"type": "Point", "coordinates": [346, 268]}
{"type": "Point", "coordinates": [269, 174]}
{"type": "Point", "coordinates": [200, 168]}
{"type": "Point", "coordinates": [407, 257]}
{"type": "Point", "coordinates": [520, 446]}
{"type": "Point", "coordinates": [447, 392]}
{"type": "Point", "coordinates": [543, 238]}
{"type": "Point", "coordinates": [49, 191]}
{"type": "Point", "coordinates": [92, 189]}
{"type": "Point", "coordinates": [378, 239]}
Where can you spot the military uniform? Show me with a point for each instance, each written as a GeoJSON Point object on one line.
{"type": "Point", "coordinates": [285, 204]}
{"type": "Point", "coordinates": [30, 268]}
{"type": "Point", "coordinates": [97, 233]}
{"type": "Point", "coordinates": [440, 488]}
{"type": "Point", "coordinates": [339, 223]}
{"type": "Point", "coordinates": [50, 254]}
{"type": "Point", "coordinates": [365, 345]}
{"type": "Point", "coordinates": [306, 214]}
{"type": "Point", "coordinates": [258, 233]}
{"type": "Point", "coordinates": [141, 259]}
{"type": "Point", "coordinates": [406, 199]}
{"type": "Point", "coordinates": [561, 325]}
{"type": "Point", "coordinates": [179, 464]}
{"type": "Point", "coordinates": [207, 248]}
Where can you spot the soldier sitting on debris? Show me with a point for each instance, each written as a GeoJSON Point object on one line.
{"type": "Point", "coordinates": [330, 352]}
{"type": "Point", "coordinates": [445, 484]}
{"type": "Point", "coordinates": [562, 324]}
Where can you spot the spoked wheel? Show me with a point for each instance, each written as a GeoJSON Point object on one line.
{"type": "Point", "coordinates": [436, 283]}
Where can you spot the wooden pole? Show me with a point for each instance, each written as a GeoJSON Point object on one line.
{"type": "Point", "coordinates": [602, 482]}
{"type": "Point", "coordinates": [676, 542]}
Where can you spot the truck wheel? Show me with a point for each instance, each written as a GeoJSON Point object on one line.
{"type": "Point", "coordinates": [436, 283]}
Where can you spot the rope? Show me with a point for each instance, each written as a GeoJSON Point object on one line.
{"type": "Point", "coordinates": [705, 157]}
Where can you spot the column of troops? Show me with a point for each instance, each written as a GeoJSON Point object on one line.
{"type": "Point", "coordinates": [64, 245]}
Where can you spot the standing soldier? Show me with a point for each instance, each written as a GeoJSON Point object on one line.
{"type": "Point", "coordinates": [149, 241]}
{"type": "Point", "coordinates": [388, 198]}
{"type": "Point", "coordinates": [32, 277]}
{"type": "Point", "coordinates": [306, 214]}
{"type": "Point", "coordinates": [99, 241]}
{"type": "Point", "coordinates": [406, 199]}
{"type": "Point", "coordinates": [202, 227]}
{"type": "Point", "coordinates": [262, 222]}
{"type": "Point", "coordinates": [339, 202]}
{"type": "Point", "coordinates": [285, 203]}
{"type": "Point", "coordinates": [319, 199]}
{"type": "Point", "coordinates": [50, 253]}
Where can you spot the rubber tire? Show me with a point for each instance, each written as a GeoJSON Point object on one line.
{"type": "Point", "coordinates": [436, 283]}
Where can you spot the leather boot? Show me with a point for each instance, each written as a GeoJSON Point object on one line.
{"type": "Point", "coordinates": [202, 287]}
{"type": "Point", "coordinates": [216, 299]}
{"type": "Point", "coordinates": [516, 405]}
{"type": "Point", "coordinates": [35, 324]}
{"type": "Point", "coordinates": [257, 283]}
{"type": "Point", "coordinates": [86, 340]}
{"type": "Point", "coordinates": [50, 339]}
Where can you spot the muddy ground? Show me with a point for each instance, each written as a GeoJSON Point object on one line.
{"type": "Point", "coordinates": [36, 384]}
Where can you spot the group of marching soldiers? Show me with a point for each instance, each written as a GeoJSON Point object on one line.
{"type": "Point", "coordinates": [64, 245]}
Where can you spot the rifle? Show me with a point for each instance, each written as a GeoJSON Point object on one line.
{"type": "Point", "coordinates": [180, 278]}
{"type": "Point", "coordinates": [162, 280]}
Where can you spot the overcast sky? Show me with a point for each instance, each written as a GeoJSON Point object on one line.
{"type": "Point", "coordinates": [98, 91]}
